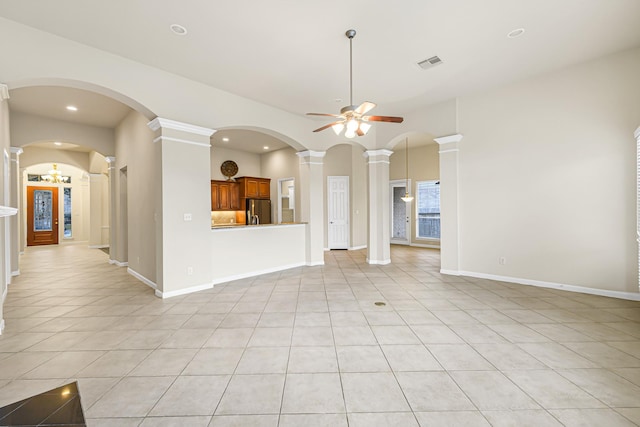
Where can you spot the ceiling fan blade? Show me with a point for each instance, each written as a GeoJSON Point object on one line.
{"type": "Point", "coordinates": [364, 107]}
{"type": "Point", "coordinates": [383, 119]}
{"type": "Point", "coordinates": [323, 114]}
{"type": "Point", "coordinates": [326, 126]}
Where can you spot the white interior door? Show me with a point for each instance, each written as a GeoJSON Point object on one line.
{"type": "Point", "coordinates": [338, 212]}
{"type": "Point", "coordinates": [400, 213]}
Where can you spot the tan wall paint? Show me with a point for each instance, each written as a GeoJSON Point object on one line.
{"type": "Point", "coordinates": [277, 165]}
{"type": "Point", "coordinates": [547, 176]}
{"type": "Point", "coordinates": [424, 165]}
{"type": "Point", "coordinates": [135, 151]}
{"type": "Point", "coordinates": [249, 164]}
{"type": "Point", "coordinates": [27, 128]}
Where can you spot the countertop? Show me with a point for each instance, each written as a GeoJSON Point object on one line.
{"type": "Point", "coordinates": [242, 226]}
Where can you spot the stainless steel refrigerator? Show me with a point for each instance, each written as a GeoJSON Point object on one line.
{"type": "Point", "coordinates": [258, 211]}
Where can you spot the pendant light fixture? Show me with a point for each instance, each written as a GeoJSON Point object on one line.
{"type": "Point", "coordinates": [407, 197]}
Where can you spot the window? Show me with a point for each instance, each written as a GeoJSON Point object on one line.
{"type": "Point", "coordinates": [67, 213]}
{"type": "Point", "coordinates": [428, 209]}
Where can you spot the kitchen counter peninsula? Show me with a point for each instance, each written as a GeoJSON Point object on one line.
{"type": "Point", "coordinates": [240, 251]}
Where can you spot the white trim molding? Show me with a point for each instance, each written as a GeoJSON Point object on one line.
{"type": "Point", "coordinates": [381, 152]}
{"type": "Point", "coordinates": [189, 290]}
{"type": "Point", "coordinates": [357, 248]}
{"type": "Point", "coordinates": [159, 122]}
{"type": "Point", "coordinates": [4, 94]}
{"type": "Point", "coordinates": [636, 134]}
{"type": "Point", "coordinates": [260, 272]}
{"type": "Point", "coordinates": [110, 159]}
{"type": "Point", "coordinates": [1, 326]}
{"type": "Point", "coordinates": [118, 263]}
{"type": "Point", "coordinates": [143, 279]}
{"type": "Point", "coordinates": [311, 153]}
{"type": "Point", "coordinates": [182, 141]}
{"type": "Point", "coordinates": [378, 262]}
{"type": "Point", "coordinates": [448, 139]}
{"type": "Point", "coordinates": [551, 285]}
{"type": "Point", "coordinates": [16, 150]}
{"type": "Point", "coordinates": [15, 273]}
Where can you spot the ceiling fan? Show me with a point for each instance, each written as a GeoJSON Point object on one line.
{"type": "Point", "coordinates": [353, 117]}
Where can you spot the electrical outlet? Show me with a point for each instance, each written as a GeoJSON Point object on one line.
{"type": "Point", "coordinates": [190, 271]}
{"type": "Point", "coordinates": [502, 261]}
{"type": "Point", "coordinates": [188, 217]}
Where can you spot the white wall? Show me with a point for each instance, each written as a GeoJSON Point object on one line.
{"type": "Point", "coordinates": [4, 246]}
{"type": "Point", "coordinates": [547, 177]}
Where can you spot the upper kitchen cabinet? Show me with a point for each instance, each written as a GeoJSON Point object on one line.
{"type": "Point", "coordinates": [254, 188]}
{"type": "Point", "coordinates": [225, 196]}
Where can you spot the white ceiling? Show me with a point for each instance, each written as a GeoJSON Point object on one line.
{"type": "Point", "coordinates": [293, 54]}
{"type": "Point", "coordinates": [247, 140]}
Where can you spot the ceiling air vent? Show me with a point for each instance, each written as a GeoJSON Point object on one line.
{"type": "Point", "coordinates": [431, 62]}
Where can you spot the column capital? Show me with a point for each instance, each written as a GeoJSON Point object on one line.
{"type": "Point", "coordinates": [110, 159]}
{"type": "Point", "coordinates": [311, 153]}
{"type": "Point", "coordinates": [16, 150]}
{"type": "Point", "coordinates": [310, 157]}
{"type": "Point", "coordinates": [4, 92]}
{"type": "Point", "coordinates": [159, 122]}
{"type": "Point", "coordinates": [448, 139]}
{"type": "Point", "coordinates": [375, 153]}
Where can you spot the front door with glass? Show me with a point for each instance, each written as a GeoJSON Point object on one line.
{"type": "Point", "coordinates": [42, 216]}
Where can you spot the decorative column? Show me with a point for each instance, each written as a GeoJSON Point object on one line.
{"type": "Point", "coordinates": [637, 135]}
{"type": "Point", "coordinates": [95, 210]}
{"type": "Point", "coordinates": [183, 208]}
{"type": "Point", "coordinates": [15, 202]}
{"type": "Point", "coordinates": [113, 236]}
{"type": "Point", "coordinates": [312, 203]}
{"type": "Point", "coordinates": [449, 215]}
{"type": "Point", "coordinates": [378, 241]}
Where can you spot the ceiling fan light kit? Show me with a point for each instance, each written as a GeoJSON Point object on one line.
{"type": "Point", "coordinates": [352, 118]}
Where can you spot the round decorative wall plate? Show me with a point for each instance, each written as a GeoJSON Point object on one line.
{"type": "Point", "coordinates": [229, 168]}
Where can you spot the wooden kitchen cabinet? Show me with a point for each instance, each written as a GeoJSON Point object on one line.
{"type": "Point", "coordinates": [254, 188]}
{"type": "Point", "coordinates": [225, 196]}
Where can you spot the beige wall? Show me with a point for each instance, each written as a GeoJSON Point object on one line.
{"type": "Point", "coordinates": [28, 128]}
{"type": "Point", "coordinates": [135, 152]}
{"type": "Point", "coordinates": [249, 164]}
{"type": "Point", "coordinates": [4, 173]}
{"type": "Point", "coordinates": [348, 160]}
{"type": "Point", "coordinates": [548, 177]}
{"type": "Point", "coordinates": [277, 165]}
{"type": "Point", "coordinates": [424, 165]}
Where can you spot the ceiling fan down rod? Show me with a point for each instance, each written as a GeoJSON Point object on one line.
{"type": "Point", "coordinates": [351, 34]}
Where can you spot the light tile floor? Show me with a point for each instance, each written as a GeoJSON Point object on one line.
{"type": "Point", "coordinates": [308, 347]}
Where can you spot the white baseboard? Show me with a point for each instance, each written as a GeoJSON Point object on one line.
{"type": "Point", "coordinates": [424, 245]}
{"type": "Point", "coordinates": [312, 264]}
{"type": "Point", "coordinates": [118, 263]}
{"type": "Point", "coordinates": [450, 272]}
{"type": "Point", "coordinates": [184, 291]}
{"type": "Point", "coordinates": [378, 262]}
{"type": "Point", "coordinates": [98, 246]}
{"type": "Point", "coordinates": [357, 248]}
{"type": "Point", "coordinates": [1, 326]}
{"type": "Point", "coordinates": [4, 294]}
{"type": "Point", "coordinates": [551, 285]}
{"type": "Point", "coordinates": [15, 273]}
{"type": "Point", "coordinates": [259, 272]}
{"type": "Point", "coordinates": [143, 279]}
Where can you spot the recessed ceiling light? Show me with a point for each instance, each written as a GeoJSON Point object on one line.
{"type": "Point", "coordinates": [57, 143]}
{"type": "Point", "coordinates": [178, 29]}
{"type": "Point", "coordinates": [266, 147]}
{"type": "Point", "coordinates": [516, 33]}
{"type": "Point", "coordinates": [72, 108]}
{"type": "Point", "coordinates": [225, 139]}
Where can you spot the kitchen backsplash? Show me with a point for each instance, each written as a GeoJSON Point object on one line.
{"type": "Point", "coordinates": [223, 217]}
